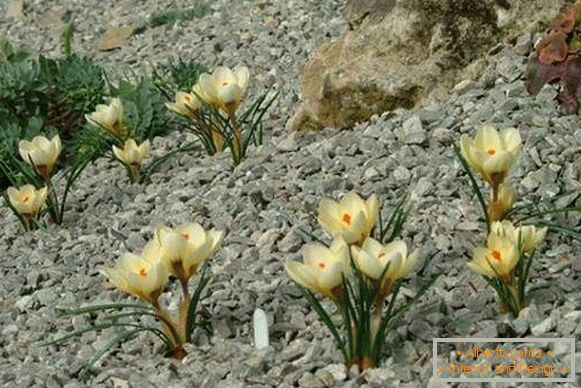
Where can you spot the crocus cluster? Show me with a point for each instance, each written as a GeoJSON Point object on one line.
{"type": "Point", "coordinates": [504, 260]}
{"type": "Point", "coordinates": [28, 200]}
{"type": "Point", "coordinates": [492, 154]}
{"type": "Point", "coordinates": [130, 154]}
{"type": "Point", "coordinates": [174, 253]}
{"type": "Point", "coordinates": [222, 91]}
{"type": "Point", "coordinates": [353, 254]}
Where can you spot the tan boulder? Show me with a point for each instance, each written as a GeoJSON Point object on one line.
{"type": "Point", "coordinates": [402, 53]}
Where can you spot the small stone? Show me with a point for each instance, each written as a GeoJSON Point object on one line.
{"type": "Point", "coordinates": [441, 134]}
{"type": "Point", "coordinates": [544, 327]}
{"type": "Point", "coordinates": [515, 90]}
{"type": "Point", "coordinates": [288, 144]}
{"type": "Point", "coordinates": [10, 329]}
{"type": "Point", "coordinates": [431, 115]}
{"type": "Point", "coordinates": [574, 316]}
{"type": "Point", "coordinates": [24, 303]}
{"type": "Point", "coordinates": [464, 86]}
{"type": "Point", "coordinates": [523, 45]}
{"type": "Point", "coordinates": [119, 383]}
{"type": "Point", "coordinates": [510, 69]}
{"type": "Point", "coordinates": [412, 131]}
{"type": "Point", "coordinates": [380, 377]}
{"type": "Point", "coordinates": [15, 10]}
{"type": "Point", "coordinates": [290, 243]}
{"type": "Point", "coordinates": [401, 174]}
{"type": "Point", "coordinates": [486, 329]}
{"type": "Point", "coordinates": [423, 187]}
{"type": "Point", "coordinates": [371, 174]}
{"type": "Point", "coordinates": [338, 371]}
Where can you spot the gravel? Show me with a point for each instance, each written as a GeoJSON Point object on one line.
{"type": "Point", "coordinates": [265, 203]}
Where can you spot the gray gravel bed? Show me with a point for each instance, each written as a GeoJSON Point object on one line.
{"type": "Point", "coordinates": [265, 202]}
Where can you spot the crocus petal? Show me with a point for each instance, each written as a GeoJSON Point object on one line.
{"type": "Point", "coordinates": [369, 265]}
{"type": "Point", "coordinates": [315, 253]}
{"type": "Point", "coordinates": [372, 246]}
{"type": "Point", "coordinates": [329, 215]}
{"type": "Point", "coordinates": [302, 275]}
{"type": "Point", "coordinates": [242, 75]}
{"type": "Point", "coordinates": [331, 277]}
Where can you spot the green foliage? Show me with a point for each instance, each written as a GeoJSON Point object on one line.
{"type": "Point", "coordinates": [393, 228]}
{"type": "Point", "coordinates": [173, 16]}
{"type": "Point", "coordinates": [249, 125]}
{"type": "Point", "coordinates": [41, 95]}
{"type": "Point", "coordinates": [175, 75]}
{"type": "Point", "coordinates": [367, 316]}
{"type": "Point", "coordinates": [143, 109]}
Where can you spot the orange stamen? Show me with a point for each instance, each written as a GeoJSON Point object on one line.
{"type": "Point", "coordinates": [142, 272]}
{"type": "Point", "coordinates": [491, 151]}
{"type": "Point", "coordinates": [185, 236]}
{"type": "Point", "coordinates": [496, 255]}
{"type": "Point", "coordinates": [322, 265]}
{"type": "Point", "coordinates": [347, 219]}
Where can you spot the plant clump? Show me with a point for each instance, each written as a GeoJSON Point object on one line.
{"type": "Point", "coordinates": [557, 57]}
{"type": "Point", "coordinates": [177, 254]}
{"type": "Point", "coordinates": [513, 233]}
{"type": "Point", "coordinates": [361, 275]}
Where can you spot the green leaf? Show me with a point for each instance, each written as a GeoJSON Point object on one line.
{"type": "Point", "coordinates": [324, 317]}
{"type": "Point", "coordinates": [66, 312]}
{"type": "Point", "coordinates": [475, 186]}
{"type": "Point", "coordinates": [193, 308]}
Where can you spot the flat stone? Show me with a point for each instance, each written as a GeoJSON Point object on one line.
{"type": "Point", "coordinates": [114, 37]}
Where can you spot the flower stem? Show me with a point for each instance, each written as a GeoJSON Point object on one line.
{"type": "Point", "coordinates": [184, 310]}
{"type": "Point", "coordinates": [167, 325]}
{"type": "Point", "coordinates": [238, 141]}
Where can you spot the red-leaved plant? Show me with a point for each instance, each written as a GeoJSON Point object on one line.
{"type": "Point", "coordinates": [557, 57]}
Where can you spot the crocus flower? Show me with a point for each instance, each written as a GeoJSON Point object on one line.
{"type": "Point", "coordinates": [505, 200]}
{"type": "Point", "coordinates": [41, 153]}
{"type": "Point", "coordinates": [529, 236]}
{"type": "Point", "coordinates": [142, 277]}
{"type": "Point", "coordinates": [186, 104]}
{"type": "Point", "coordinates": [497, 259]}
{"type": "Point", "coordinates": [372, 258]}
{"type": "Point", "coordinates": [322, 268]}
{"type": "Point", "coordinates": [225, 88]}
{"type": "Point", "coordinates": [27, 200]}
{"type": "Point", "coordinates": [186, 247]}
{"type": "Point", "coordinates": [352, 218]}
{"type": "Point", "coordinates": [492, 153]}
{"type": "Point", "coordinates": [109, 117]}
{"type": "Point", "coordinates": [132, 155]}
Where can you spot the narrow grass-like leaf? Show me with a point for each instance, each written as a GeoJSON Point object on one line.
{"type": "Point", "coordinates": [560, 229]}
{"type": "Point", "coordinates": [116, 341]}
{"type": "Point", "coordinates": [475, 186]}
{"type": "Point", "coordinates": [67, 312]}
{"type": "Point", "coordinates": [193, 308]}
{"type": "Point", "coordinates": [324, 317]}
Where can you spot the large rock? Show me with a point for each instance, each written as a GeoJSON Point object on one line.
{"type": "Point", "coordinates": [400, 53]}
